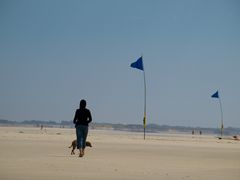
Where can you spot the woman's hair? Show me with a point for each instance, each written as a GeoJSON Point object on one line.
{"type": "Point", "coordinates": [83, 104]}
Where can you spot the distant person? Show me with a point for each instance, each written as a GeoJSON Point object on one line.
{"type": "Point", "coordinates": [81, 120]}
{"type": "Point", "coordinates": [41, 127]}
{"type": "Point", "coordinates": [200, 132]}
{"type": "Point", "coordinates": [192, 132]}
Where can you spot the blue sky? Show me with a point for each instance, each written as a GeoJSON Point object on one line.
{"type": "Point", "coordinates": [54, 53]}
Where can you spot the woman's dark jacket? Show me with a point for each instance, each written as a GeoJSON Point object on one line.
{"type": "Point", "coordinates": [82, 117]}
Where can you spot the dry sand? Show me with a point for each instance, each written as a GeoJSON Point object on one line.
{"type": "Point", "coordinates": [32, 154]}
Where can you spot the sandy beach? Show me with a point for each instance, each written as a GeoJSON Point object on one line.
{"type": "Point", "coordinates": [28, 153]}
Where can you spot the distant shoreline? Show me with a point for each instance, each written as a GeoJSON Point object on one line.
{"type": "Point", "coordinates": [151, 128]}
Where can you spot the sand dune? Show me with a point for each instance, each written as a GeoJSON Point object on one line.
{"type": "Point", "coordinates": [32, 154]}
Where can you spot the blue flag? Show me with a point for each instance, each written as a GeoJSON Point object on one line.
{"type": "Point", "coordinates": [215, 95]}
{"type": "Point", "coordinates": [138, 64]}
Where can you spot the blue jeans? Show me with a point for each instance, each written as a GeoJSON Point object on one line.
{"type": "Point", "coordinates": [81, 132]}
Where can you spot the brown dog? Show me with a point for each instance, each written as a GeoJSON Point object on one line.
{"type": "Point", "coordinates": [74, 145]}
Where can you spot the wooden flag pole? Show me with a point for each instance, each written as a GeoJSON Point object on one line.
{"type": "Point", "coordinates": [220, 103]}
{"type": "Point", "coordinates": [139, 65]}
{"type": "Point", "coordinates": [145, 108]}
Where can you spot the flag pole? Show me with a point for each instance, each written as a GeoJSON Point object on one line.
{"type": "Point", "coordinates": [220, 103]}
{"type": "Point", "coordinates": [139, 65]}
{"type": "Point", "coordinates": [145, 107]}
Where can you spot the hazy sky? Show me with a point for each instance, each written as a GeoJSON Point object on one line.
{"type": "Point", "coordinates": [54, 53]}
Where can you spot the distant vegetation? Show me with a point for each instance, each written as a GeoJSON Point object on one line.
{"type": "Point", "coordinates": [153, 128]}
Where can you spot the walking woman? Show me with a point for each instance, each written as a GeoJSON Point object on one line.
{"type": "Point", "coordinates": [81, 120]}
